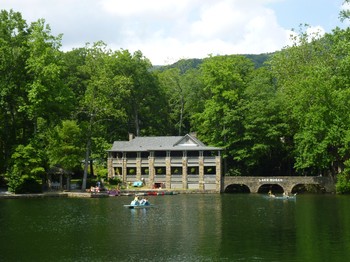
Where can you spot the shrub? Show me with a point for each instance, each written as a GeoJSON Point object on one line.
{"type": "Point", "coordinates": [91, 182]}
{"type": "Point", "coordinates": [114, 181]}
{"type": "Point", "coordinates": [28, 185]}
{"type": "Point", "coordinates": [343, 183]}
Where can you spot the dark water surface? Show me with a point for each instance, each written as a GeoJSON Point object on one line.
{"type": "Point", "coordinates": [227, 227]}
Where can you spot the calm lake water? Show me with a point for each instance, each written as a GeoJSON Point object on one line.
{"type": "Point", "coordinates": [226, 227]}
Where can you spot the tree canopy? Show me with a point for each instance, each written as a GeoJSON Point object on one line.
{"type": "Point", "coordinates": [284, 113]}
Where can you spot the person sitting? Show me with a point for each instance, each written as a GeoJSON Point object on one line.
{"type": "Point", "coordinates": [144, 202]}
{"type": "Point", "coordinates": [271, 195]}
{"type": "Point", "coordinates": [135, 202]}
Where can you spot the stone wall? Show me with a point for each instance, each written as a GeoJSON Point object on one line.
{"type": "Point", "coordinates": [286, 182]}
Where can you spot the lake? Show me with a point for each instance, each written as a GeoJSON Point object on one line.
{"type": "Point", "coordinates": [185, 227]}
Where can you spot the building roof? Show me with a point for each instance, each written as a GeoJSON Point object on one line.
{"type": "Point", "coordinates": [161, 143]}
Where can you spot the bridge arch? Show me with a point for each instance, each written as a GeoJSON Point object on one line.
{"type": "Point", "coordinates": [275, 188]}
{"type": "Point", "coordinates": [290, 184]}
{"type": "Point", "coordinates": [313, 188]}
{"type": "Point", "coordinates": [237, 188]}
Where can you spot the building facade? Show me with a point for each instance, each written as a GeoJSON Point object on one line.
{"type": "Point", "coordinates": [169, 162]}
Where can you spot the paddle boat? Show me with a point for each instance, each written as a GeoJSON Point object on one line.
{"type": "Point", "coordinates": [137, 204]}
{"type": "Point", "coordinates": [113, 192]}
{"type": "Point", "coordinates": [137, 184]}
{"type": "Point", "coordinates": [285, 196]}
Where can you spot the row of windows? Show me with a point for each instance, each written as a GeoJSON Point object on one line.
{"type": "Point", "coordinates": [208, 170]}
{"type": "Point", "coordinates": [163, 154]}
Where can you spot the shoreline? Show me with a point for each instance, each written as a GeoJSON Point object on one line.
{"type": "Point", "coordinates": [79, 194]}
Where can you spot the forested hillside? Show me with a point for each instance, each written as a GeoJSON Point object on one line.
{"type": "Point", "coordinates": [285, 113]}
{"type": "Point", "coordinates": [186, 64]}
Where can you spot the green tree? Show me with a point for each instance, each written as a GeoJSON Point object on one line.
{"type": "Point", "coordinates": [64, 148]}
{"type": "Point", "coordinates": [263, 148]}
{"type": "Point", "coordinates": [312, 83]}
{"type": "Point", "coordinates": [47, 97]}
{"type": "Point", "coordinates": [225, 79]}
{"type": "Point", "coordinates": [28, 163]}
{"type": "Point", "coordinates": [13, 80]}
{"type": "Point", "coordinates": [175, 90]}
{"type": "Point", "coordinates": [146, 105]}
{"type": "Point", "coordinates": [105, 92]}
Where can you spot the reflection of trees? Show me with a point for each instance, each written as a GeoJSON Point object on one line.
{"type": "Point", "coordinates": [323, 228]}
{"type": "Point", "coordinates": [255, 227]}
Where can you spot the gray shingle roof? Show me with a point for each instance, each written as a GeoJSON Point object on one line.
{"type": "Point", "coordinates": [163, 143]}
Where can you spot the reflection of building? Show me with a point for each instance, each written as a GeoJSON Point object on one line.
{"type": "Point", "coordinates": [173, 162]}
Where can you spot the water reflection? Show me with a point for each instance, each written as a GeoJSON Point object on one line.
{"type": "Point", "coordinates": [180, 228]}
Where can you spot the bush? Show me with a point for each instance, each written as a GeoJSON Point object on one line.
{"type": "Point", "coordinates": [90, 182]}
{"type": "Point", "coordinates": [28, 185]}
{"type": "Point", "coordinates": [114, 181]}
{"type": "Point", "coordinates": [343, 183]}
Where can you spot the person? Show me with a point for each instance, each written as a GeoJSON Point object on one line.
{"type": "Point", "coordinates": [285, 194]}
{"type": "Point", "coordinates": [144, 202]}
{"type": "Point", "coordinates": [270, 194]}
{"type": "Point", "coordinates": [135, 202]}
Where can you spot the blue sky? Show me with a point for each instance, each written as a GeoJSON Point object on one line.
{"type": "Point", "coordinates": [168, 30]}
{"type": "Point", "coordinates": [314, 12]}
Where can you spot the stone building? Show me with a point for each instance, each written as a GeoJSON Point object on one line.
{"type": "Point", "coordinates": [170, 162]}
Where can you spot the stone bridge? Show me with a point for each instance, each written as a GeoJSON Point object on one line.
{"type": "Point", "coordinates": [286, 182]}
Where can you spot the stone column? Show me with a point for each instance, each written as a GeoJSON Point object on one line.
{"type": "Point", "coordinates": [288, 188]}
{"type": "Point", "coordinates": [138, 166]}
{"type": "Point", "coordinates": [184, 171]}
{"type": "Point", "coordinates": [49, 181]}
{"type": "Point", "coordinates": [201, 172]}
{"type": "Point", "coordinates": [168, 171]}
{"type": "Point", "coordinates": [110, 167]}
{"type": "Point", "coordinates": [61, 181]}
{"type": "Point", "coordinates": [254, 188]}
{"type": "Point", "coordinates": [151, 169]}
{"type": "Point", "coordinates": [124, 168]}
{"type": "Point", "coordinates": [218, 176]}
{"type": "Point", "coordinates": [68, 182]}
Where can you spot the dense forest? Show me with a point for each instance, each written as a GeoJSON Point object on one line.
{"type": "Point", "coordinates": [285, 113]}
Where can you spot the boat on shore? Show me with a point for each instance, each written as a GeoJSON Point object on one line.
{"type": "Point", "coordinates": [99, 195]}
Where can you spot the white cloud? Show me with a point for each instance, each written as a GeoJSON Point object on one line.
{"type": "Point", "coordinates": [151, 8]}
{"type": "Point", "coordinates": [218, 27]}
{"type": "Point", "coordinates": [164, 30]}
{"type": "Point", "coordinates": [198, 28]}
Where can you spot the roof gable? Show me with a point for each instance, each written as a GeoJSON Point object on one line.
{"type": "Point", "coordinates": [188, 140]}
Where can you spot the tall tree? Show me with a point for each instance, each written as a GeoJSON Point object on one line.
{"type": "Point", "coordinates": [314, 92]}
{"type": "Point", "coordinates": [105, 92]}
{"type": "Point", "coordinates": [225, 79]}
{"type": "Point", "coordinates": [13, 80]}
{"type": "Point", "coordinates": [175, 90]}
{"type": "Point", "coordinates": [48, 97]}
{"type": "Point", "coordinates": [64, 145]}
{"type": "Point", "coordinates": [264, 147]}
{"type": "Point", "coordinates": [146, 104]}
